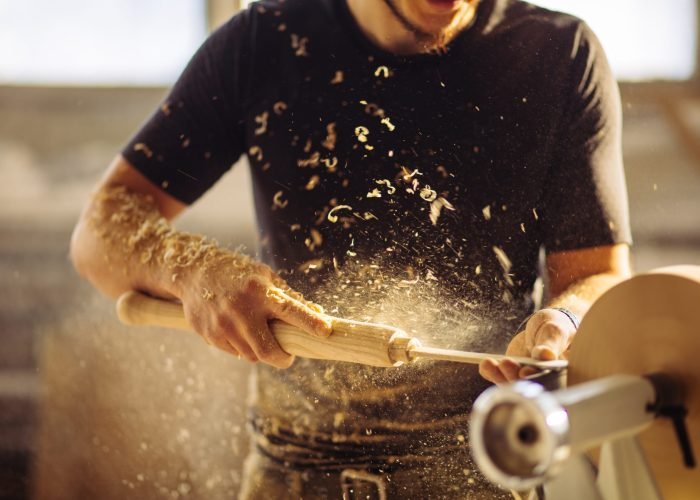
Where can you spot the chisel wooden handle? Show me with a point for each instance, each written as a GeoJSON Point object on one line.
{"type": "Point", "coordinates": [353, 341]}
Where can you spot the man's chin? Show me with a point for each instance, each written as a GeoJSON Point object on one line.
{"type": "Point", "coordinates": [436, 16]}
{"type": "Point", "coordinates": [443, 6]}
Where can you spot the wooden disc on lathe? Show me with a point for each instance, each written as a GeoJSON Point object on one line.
{"type": "Point", "coordinates": [650, 324]}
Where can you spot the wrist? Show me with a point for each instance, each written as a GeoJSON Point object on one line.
{"type": "Point", "coordinates": [547, 313]}
{"type": "Point", "coordinates": [573, 318]}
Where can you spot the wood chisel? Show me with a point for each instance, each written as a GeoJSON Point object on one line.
{"type": "Point", "coordinates": [370, 344]}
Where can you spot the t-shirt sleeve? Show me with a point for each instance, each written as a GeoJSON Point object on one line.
{"type": "Point", "coordinates": [197, 132]}
{"type": "Point", "coordinates": [585, 199]}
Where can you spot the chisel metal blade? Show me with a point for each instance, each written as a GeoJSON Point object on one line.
{"type": "Point", "coordinates": [433, 353]}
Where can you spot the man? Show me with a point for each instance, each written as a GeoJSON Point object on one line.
{"type": "Point", "coordinates": [410, 159]}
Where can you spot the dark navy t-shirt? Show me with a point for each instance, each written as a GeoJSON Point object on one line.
{"type": "Point", "coordinates": [376, 175]}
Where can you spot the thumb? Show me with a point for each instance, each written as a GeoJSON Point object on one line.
{"type": "Point", "coordinates": [292, 311]}
{"type": "Point", "coordinates": [550, 342]}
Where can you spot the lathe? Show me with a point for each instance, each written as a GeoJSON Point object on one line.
{"type": "Point", "coordinates": [622, 429]}
{"type": "Point", "coordinates": [625, 426]}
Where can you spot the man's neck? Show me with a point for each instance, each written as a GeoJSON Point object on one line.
{"type": "Point", "coordinates": [394, 31]}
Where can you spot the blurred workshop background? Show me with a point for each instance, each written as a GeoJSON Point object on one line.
{"type": "Point", "coordinates": [90, 409]}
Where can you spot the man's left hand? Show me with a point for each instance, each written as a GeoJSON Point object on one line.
{"type": "Point", "coordinates": [547, 336]}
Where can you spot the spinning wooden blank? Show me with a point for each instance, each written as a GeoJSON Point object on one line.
{"type": "Point", "coordinates": [650, 324]}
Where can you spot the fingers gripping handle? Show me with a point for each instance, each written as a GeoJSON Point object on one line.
{"type": "Point", "coordinates": [134, 308]}
{"type": "Point", "coordinates": [352, 341]}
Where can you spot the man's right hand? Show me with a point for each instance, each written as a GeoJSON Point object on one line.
{"type": "Point", "coordinates": [231, 309]}
{"type": "Point", "coordinates": [123, 242]}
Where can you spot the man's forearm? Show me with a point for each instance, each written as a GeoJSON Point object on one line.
{"type": "Point", "coordinates": [122, 242]}
{"type": "Point", "coordinates": [580, 295]}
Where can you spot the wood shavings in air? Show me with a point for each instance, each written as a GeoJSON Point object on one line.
{"type": "Point", "coordinates": [389, 125]}
{"type": "Point", "coordinates": [375, 193]}
{"type": "Point", "coordinates": [140, 146]}
{"type": "Point", "coordinates": [409, 283]}
{"type": "Point", "coordinates": [331, 137]}
{"type": "Point", "coordinates": [522, 227]}
{"type": "Point", "coordinates": [534, 214]}
{"type": "Point", "coordinates": [361, 133]}
{"type": "Point", "coordinates": [278, 202]}
{"type": "Point", "coordinates": [282, 27]}
{"type": "Point", "coordinates": [311, 161]}
{"type": "Point", "coordinates": [299, 45]}
{"type": "Point", "coordinates": [486, 211]}
{"type": "Point", "coordinates": [427, 193]}
{"type": "Point", "coordinates": [321, 216]}
{"type": "Point", "coordinates": [331, 214]}
{"type": "Point", "coordinates": [261, 120]}
{"type": "Point", "coordinates": [436, 209]}
{"type": "Point", "coordinates": [311, 265]}
{"type": "Point", "coordinates": [314, 240]}
{"type": "Point", "coordinates": [386, 182]}
{"type": "Point", "coordinates": [373, 109]}
{"type": "Point", "coordinates": [313, 182]}
{"type": "Point", "coordinates": [186, 174]}
{"type": "Point", "coordinates": [369, 147]}
{"type": "Point", "coordinates": [256, 152]}
{"type": "Point", "coordinates": [330, 163]}
{"type": "Point", "coordinates": [382, 71]}
{"type": "Point", "coordinates": [185, 142]}
{"type": "Point", "coordinates": [279, 107]}
{"type": "Point", "coordinates": [337, 78]}
{"type": "Point", "coordinates": [503, 259]}
{"type": "Point", "coordinates": [407, 175]}
{"type": "Point", "coordinates": [504, 262]}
